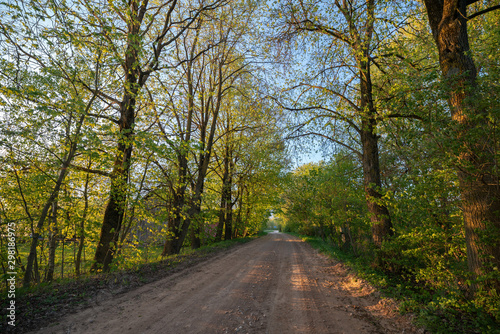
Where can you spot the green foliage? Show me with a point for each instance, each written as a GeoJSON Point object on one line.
{"type": "Point", "coordinates": [327, 200]}
{"type": "Point", "coordinates": [443, 310]}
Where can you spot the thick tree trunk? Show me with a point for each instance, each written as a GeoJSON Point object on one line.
{"type": "Point", "coordinates": [172, 243]}
{"type": "Point", "coordinates": [115, 209]}
{"type": "Point", "coordinates": [133, 82]}
{"type": "Point", "coordinates": [238, 222]}
{"type": "Point", "coordinates": [379, 214]}
{"type": "Point", "coordinates": [174, 225]}
{"type": "Point", "coordinates": [479, 183]}
{"type": "Point", "coordinates": [195, 224]}
{"type": "Point", "coordinates": [168, 247]}
{"type": "Point", "coordinates": [195, 235]}
{"type": "Point", "coordinates": [111, 225]}
{"type": "Point", "coordinates": [195, 219]}
{"type": "Point", "coordinates": [228, 233]}
{"type": "Point", "coordinates": [179, 228]}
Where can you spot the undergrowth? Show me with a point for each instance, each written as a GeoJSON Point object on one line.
{"type": "Point", "coordinates": [438, 311]}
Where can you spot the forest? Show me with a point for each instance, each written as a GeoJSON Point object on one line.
{"type": "Point", "coordinates": [135, 130]}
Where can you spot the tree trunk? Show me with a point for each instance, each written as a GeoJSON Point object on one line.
{"type": "Point", "coordinates": [195, 219]}
{"type": "Point", "coordinates": [172, 243]}
{"type": "Point", "coordinates": [181, 227]}
{"type": "Point", "coordinates": [195, 223]}
{"type": "Point", "coordinates": [239, 222]}
{"type": "Point", "coordinates": [222, 216]}
{"type": "Point", "coordinates": [168, 247]}
{"type": "Point", "coordinates": [115, 209]}
{"type": "Point", "coordinates": [224, 199]}
{"type": "Point", "coordinates": [379, 214]}
{"type": "Point", "coordinates": [53, 196]}
{"type": "Point", "coordinates": [228, 234]}
{"type": "Point", "coordinates": [81, 230]}
{"type": "Point", "coordinates": [113, 215]}
{"type": "Point", "coordinates": [479, 184]}
{"type": "Point", "coordinates": [53, 230]}
{"type": "Point", "coordinates": [195, 236]}
{"type": "Point", "coordinates": [229, 201]}
{"type": "Point", "coordinates": [195, 210]}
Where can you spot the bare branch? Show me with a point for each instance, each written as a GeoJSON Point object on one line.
{"type": "Point", "coordinates": [484, 11]}
{"type": "Point", "coordinates": [92, 171]}
{"type": "Point", "coordinates": [109, 118]}
{"type": "Point", "coordinates": [358, 153]}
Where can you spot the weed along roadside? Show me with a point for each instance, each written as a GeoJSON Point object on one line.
{"type": "Point", "coordinates": [432, 310]}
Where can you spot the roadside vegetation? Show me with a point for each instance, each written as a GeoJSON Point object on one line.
{"type": "Point", "coordinates": [438, 311]}
{"type": "Point", "coordinates": [423, 265]}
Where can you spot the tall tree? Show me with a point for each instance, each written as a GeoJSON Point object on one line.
{"type": "Point", "coordinates": [477, 153]}
{"type": "Point", "coordinates": [211, 63]}
{"type": "Point", "coordinates": [347, 36]}
{"type": "Point", "coordinates": [141, 56]}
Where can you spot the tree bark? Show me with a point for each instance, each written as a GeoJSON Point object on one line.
{"type": "Point", "coordinates": [195, 222]}
{"type": "Point", "coordinates": [195, 208]}
{"type": "Point", "coordinates": [357, 36]}
{"type": "Point", "coordinates": [228, 233]}
{"type": "Point", "coordinates": [53, 231]}
{"type": "Point", "coordinates": [224, 199]}
{"type": "Point", "coordinates": [379, 214]}
{"type": "Point", "coordinates": [172, 243]}
{"type": "Point", "coordinates": [133, 81]}
{"type": "Point", "coordinates": [81, 230]}
{"type": "Point", "coordinates": [210, 112]}
{"type": "Point", "coordinates": [479, 183]}
{"type": "Point", "coordinates": [222, 216]}
{"type": "Point", "coordinates": [195, 234]}
{"type": "Point", "coordinates": [115, 209]}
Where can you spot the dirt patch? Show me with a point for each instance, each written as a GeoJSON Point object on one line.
{"type": "Point", "coordinates": [276, 284]}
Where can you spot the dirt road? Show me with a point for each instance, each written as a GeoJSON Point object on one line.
{"type": "Point", "coordinates": [275, 284]}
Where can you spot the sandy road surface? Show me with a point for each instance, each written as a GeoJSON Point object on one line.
{"type": "Point", "coordinates": [275, 284]}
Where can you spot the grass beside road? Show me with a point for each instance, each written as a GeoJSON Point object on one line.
{"type": "Point", "coordinates": [436, 313]}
